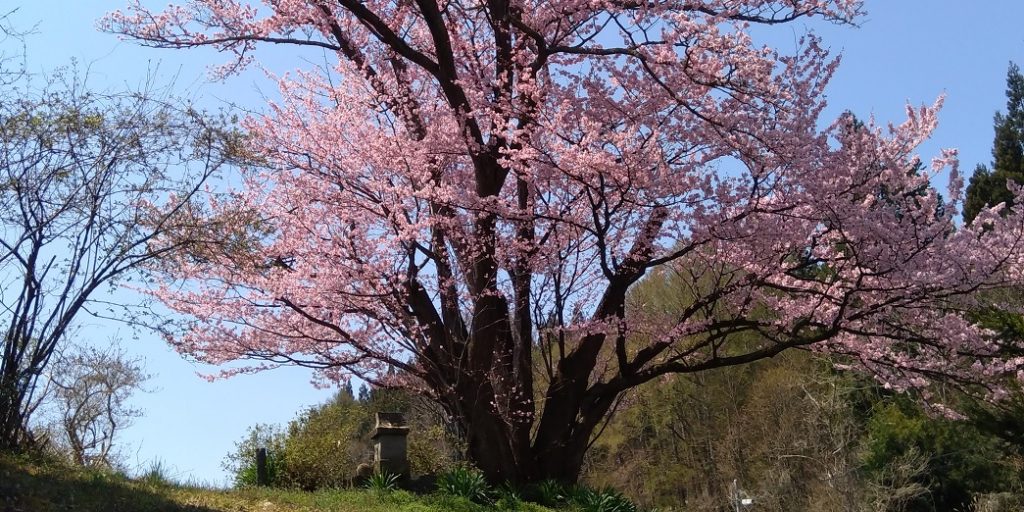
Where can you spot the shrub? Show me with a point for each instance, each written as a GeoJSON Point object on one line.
{"type": "Point", "coordinates": [949, 474]}
{"type": "Point", "coordinates": [549, 493]}
{"type": "Point", "coordinates": [382, 482]}
{"type": "Point", "coordinates": [508, 497]}
{"type": "Point", "coordinates": [464, 482]}
{"type": "Point", "coordinates": [242, 461]}
{"type": "Point", "coordinates": [322, 447]}
{"type": "Point", "coordinates": [429, 447]}
{"type": "Point", "coordinates": [605, 500]}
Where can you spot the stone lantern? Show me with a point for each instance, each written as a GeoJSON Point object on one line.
{"type": "Point", "coordinates": [390, 453]}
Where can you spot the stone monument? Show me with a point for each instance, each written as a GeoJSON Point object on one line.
{"type": "Point", "coordinates": [389, 445]}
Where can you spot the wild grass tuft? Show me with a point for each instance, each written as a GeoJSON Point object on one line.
{"type": "Point", "coordinates": [157, 475]}
{"type": "Point", "coordinates": [383, 482]}
{"type": "Point", "coordinates": [464, 482]}
{"type": "Point", "coordinates": [549, 493]}
{"type": "Point", "coordinates": [604, 500]}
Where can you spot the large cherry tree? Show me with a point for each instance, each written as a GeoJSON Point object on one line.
{"type": "Point", "coordinates": [459, 198]}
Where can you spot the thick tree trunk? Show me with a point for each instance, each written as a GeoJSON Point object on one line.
{"type": "Point", "coordinates": [496, 444]}
{"type": "Point", "coordinates": [493, 450]}
{"type": "Point", "coordinates": [502, 448]}
{"type": "Point", "coordinates": [500, 457]}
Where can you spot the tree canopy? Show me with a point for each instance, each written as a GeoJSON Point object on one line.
{"type": "Point", "coordinates": [460, 202]}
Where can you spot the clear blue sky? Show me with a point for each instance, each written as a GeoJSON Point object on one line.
{"type": "Point", "coordinates": [905, 50]}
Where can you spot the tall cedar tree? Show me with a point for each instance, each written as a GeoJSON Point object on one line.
{"type": "Point", "coordinates": [988, 187]}
{"type": "Point", "coordinates": [469, 189]}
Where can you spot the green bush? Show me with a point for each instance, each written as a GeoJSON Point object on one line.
{"type": "Point", "coordinates": [464, 482]}
{"type": "Point", "coordinates": [242, 461]}
{"type": "Point", "coordinates": [507, 497]}
{"type": "Point", "coordinates": [323, 446]}
{"type": "Point", "coordinates": [605, 500]}
{"type": "Point", "coordinates": [549, 493]}
{"type": "Point", "coordinates": [960, 462]}
{"type": "Point", "coordinates": [429, 447]}
{"type": "Point", "coordinates": [383, 482]}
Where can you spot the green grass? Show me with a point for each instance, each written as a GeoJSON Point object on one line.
{"type": "Point", "coordinates": [34, 485]}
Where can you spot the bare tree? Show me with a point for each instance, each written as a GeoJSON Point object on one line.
{"type": "Point", "coordinates": [12, 60]}
{"type": "Point", "coordinates": [89, 396]}
{"type": "Point", "coordinates": [88, 184]}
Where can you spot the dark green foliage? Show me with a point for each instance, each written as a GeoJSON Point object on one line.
{"type": "Point", "coordinates": [959, 461]}
{"type": "Point", "coordinates": [465, 482]}
{"type": "Point", "coordinates": [782, 428]}
{"type": "Point", "coordinates": [549, 493]}
{"type": "Point", "coordinates": [1004, 420]}
{"type": "Point", "coordinates": [582, 498]}
{"type": "Point", "coordinates": [995, 308]}
{"type": "Point", "coordinates": [988, 185]}
{"type": "Point", "coordinates": [586, 499]}
{"type": "Point", "coordinates": [795, 434]}
{"type": "Point", "coordinates": [508, 497]}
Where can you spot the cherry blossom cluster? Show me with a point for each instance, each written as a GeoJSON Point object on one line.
{"type": "Point", "coordinates": [472, 188]}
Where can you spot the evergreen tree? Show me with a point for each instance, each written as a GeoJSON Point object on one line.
{"type": "Point", "coordinates": [1004, 421]}
{"type": "Point", "coordinates": [988, 186]}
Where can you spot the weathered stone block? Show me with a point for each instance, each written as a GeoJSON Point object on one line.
{"type": "Point", "coordinates": [390, 449]}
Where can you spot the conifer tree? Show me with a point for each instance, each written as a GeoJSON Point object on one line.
{"type": "Point", "coordinates": [988, 185]}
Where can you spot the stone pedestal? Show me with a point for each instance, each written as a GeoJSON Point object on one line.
{"type": "Point", "coordinates": [390, 453]}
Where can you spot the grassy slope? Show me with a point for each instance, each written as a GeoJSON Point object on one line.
{"type": "Point", "coordinates": [33, 486]}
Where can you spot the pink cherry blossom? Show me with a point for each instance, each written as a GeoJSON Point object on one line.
{"type": "Point", "coordinates": [461, 204]}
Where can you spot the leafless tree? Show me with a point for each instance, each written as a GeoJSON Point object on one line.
{"type": "Point", "coordinates": [89, 183]}
{"type": "Point", "coordinates": [12, 49]}
{"type": "Point", "coordinates": [89, 396]}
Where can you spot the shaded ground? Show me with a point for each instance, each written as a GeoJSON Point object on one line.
{"type": "Point", "coordinates": [40, 486]}
{"type": "Point", "coordinates": [35, 486]}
